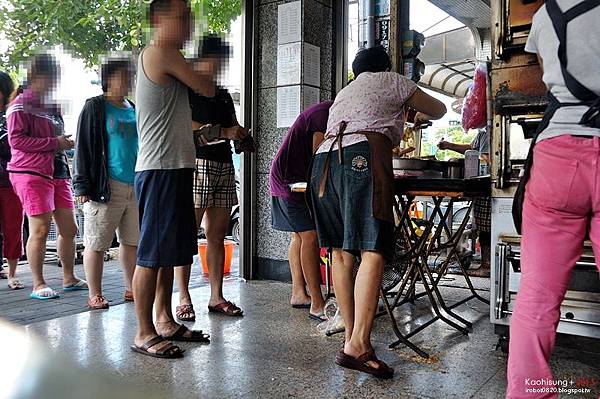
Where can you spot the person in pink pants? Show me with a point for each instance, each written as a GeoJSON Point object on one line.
{"type": "Point", "coordinates": [11, 211]}
{"type": "Point", "coordinates": [562, 197]}
{"type": "Point", "coordinates": [561, 201]}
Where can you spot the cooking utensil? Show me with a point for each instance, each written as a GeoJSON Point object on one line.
{"type": "Point", "coordinates": [455, 169]}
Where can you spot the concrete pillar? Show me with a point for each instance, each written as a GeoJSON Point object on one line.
{"type": "Point", "coordinates": [317, 30]}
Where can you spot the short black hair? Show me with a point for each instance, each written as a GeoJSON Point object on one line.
{"type": "Point", "coordinates": [160, 5]}
{"type": "Point", "coordinates": [7, 87]}
{"type": "Point", "coordinates": [43, 64]}
{"type": "Point", "coordinates": [374, 59]}
{"type": "Point", "coordinates": [214, 46]}
{"type": "Point", "coordinates": [112, 66]}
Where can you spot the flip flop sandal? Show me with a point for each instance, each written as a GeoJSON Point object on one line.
{"type": "Point", "coordinates": [182, 310]}
{"type": "Point", "coordinates": [44, 294]}
{"type": "Point", "coordinates": [317, 317]}
{"type": "Point", "coordinates": [227, 308]}
{"type": "Point", "coordinates": [98, 302]}
{"type": "Point", "coordinates": [302, 306]}
{"type": "Point", "coordinates": [169, 352]}
{"type": "Point", "coordinates": [81, 285]}
{"type": "Point", "coordinates": [361, 363]}
{"type": "Point", "coordinates": [15, 284]}
{"type": "Point", "coordinates": [197, 335]}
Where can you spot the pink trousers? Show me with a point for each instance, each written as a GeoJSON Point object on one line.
{"type": "Point", "coordinates": [562, 206]}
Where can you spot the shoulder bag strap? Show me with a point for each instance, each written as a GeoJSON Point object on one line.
{"type": "Point", "coordinates": [560, 21]}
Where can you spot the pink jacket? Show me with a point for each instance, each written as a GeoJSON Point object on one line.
{"type": "Point", "coordinates": [31, 134]}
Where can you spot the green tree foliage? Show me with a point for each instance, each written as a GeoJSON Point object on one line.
{"type": "Point", "coordinates": [219, 13]}
{"type": "Point", "coordinates": [90, 28]}
{"type": "Point", "coordinates": [454, 134]}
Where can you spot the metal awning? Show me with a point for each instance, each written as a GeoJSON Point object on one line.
{"type": "Point", "coordinates": [452, 79]}
{"type": "Point", "coordinates": [472, 13]}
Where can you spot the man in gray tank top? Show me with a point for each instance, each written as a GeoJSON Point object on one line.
{"type": "Point", "coordinates": [164, 177]}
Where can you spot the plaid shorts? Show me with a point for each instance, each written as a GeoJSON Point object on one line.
{"type": "Point", "coordinates": [214, 185]}
{"type": "Point", "coordinates": [483, 214]}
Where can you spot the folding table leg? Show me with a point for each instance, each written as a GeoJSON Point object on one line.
{"type": "Point", "coordinates": [424, 271]}
{"type": "Point", "coordinates": [401, 336]}
{"type": "Point", "coordinates": [451, 244]}
{"type": "Point", "coordinates": [435, 307]}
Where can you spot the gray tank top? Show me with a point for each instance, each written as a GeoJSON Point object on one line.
{"type": "Point", "coordinates": [164, 120]}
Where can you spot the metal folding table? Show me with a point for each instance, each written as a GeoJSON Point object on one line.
{"type": "Point", "coordinates": [419, 248]}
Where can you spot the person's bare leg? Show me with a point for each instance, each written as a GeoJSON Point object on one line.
{"type": "Point", "coordinates": [165, 323]}
{"type": "Point", "coordinates": [164, 292]}
{"type": "Point", "coordinates": [366, 294]}
{"type": "Point", "coordinates": [144, 291]}
{"type": "Point", "coordinates": [127, 258]}
{"type": "Point", "coordinates": [485, 241]}
{"type": "Point", "coordinates": [309, 253]}
{"type": "Point", "coordinates": [67, 230]}
{"type": "Point", "coordinates": [39, 227]}
{"type": "Point", "coordinates": [93, 264]}
{"type": "Point", "coordinates": [12, 267]}
{"type": "Point", "coordinates": [299, 295]}
{"type": "Point", "coordinates": [217, 220]}
{"type": "Point", "coordinates": [183, 273]}
{"type": "Point", "coordinates": [343, 283]}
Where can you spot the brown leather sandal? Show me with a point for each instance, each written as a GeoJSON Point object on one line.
{"type": "Point", "coordinates": [185, 313]}
{"type": "Point", "coordinates": [366, 363]}
{"type": "Point", "coordinates": [195, 336]}
{"type": "Point", "coordinates": [227, 308]}
{"type": "Point", "coordinates": [169, 352]}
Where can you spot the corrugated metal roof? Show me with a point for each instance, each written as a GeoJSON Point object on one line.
{"type": "Point", "coordinates": [452, 79]}
{"type": "Point", "coordinates": [472, 13]}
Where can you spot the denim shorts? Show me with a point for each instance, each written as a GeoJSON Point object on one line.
{"type": "Point", "coordinates": [344, 215]}
{"type": "Point", "coordinates": [290, 215]}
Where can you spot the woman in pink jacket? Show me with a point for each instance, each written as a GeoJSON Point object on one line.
{"type": "Point", "coordinates": [40, 176]}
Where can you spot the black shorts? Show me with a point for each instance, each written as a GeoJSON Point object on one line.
{"type": "Point", "coordinates": [168, 235]}
{"type": "Point", "coordinates": [291, 216]}
{"type": "Point", "coordinates": [344, 215]}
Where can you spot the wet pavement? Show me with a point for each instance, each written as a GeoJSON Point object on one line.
{"type": "Point", "coordinates": [276, 351]}
{"type": "Point", "coordinates": [16, 307]}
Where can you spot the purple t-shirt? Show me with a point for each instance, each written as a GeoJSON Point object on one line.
{"type": "Point", "coordinates": [293, 158]}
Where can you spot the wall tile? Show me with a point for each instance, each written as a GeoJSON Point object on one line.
{"type": "Point", "coordinates": [318, 31]}
{"type": "Point", "coordinates": [270, 137]}
{"type": "Point", "coordinates": [267, 47]}
{"type": "Point", "coordinates": [270, 243]}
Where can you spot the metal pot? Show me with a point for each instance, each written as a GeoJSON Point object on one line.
{"type": "Point", "coordinates": [455, 169]}
{"type": "Point", "coordinates": [423, 168]}
{"type": "Point", "coordinates": [415, 164]}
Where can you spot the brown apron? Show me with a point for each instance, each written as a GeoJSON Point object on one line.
{"type": "Point", "coordinates": [380, 148]}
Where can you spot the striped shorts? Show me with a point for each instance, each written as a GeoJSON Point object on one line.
{"type": "Point", "coordinates": [214, 185]}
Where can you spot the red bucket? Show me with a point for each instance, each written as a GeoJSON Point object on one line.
{"type": "Point", "coordinates": [229, 249]}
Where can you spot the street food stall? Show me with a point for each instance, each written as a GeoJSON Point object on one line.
{"type": "Point", "coordinates": [516, 100]}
